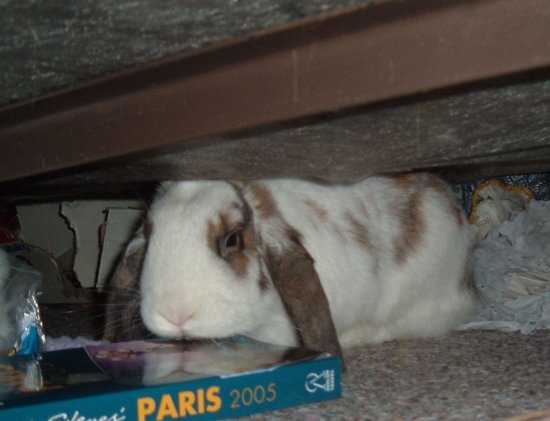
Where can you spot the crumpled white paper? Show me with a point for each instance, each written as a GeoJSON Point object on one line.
{"type": "Point", "coordinates": [512, 272]}
{"type": "Point", "coordinates": [494, 203]}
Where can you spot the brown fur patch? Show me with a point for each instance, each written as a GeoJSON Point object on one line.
{"type": "Point", "coordinates": [413, 187]}
{"type": "Point", "coordinates": [363, 238]}
{"type": "Point", "coordinates": [262, 201]}
{"type": "Point", "coordinates": [219, 228]}
{"type": "Point", "coordinates": [420, 181]}
{"type": "Point", "coordinates": [360, 232]}
{"type": "Point", "coordinates": [225, 221]}
{"type": "Point", "coordinates": [321, 213]}
{"type": "Point", "coordinates": [407, 181]}
{"type": "Point", "coordinates": [413, 224]}
{"type": "Point", "coordinates": [239, 262]}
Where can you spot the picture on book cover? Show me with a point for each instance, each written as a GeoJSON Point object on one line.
{"type": "Point", "coordinates": [140, 363]}
{"type": "Point", "coordinates": [156, 362]}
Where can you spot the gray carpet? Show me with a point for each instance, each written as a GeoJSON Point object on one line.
{"type": "Point", "coordinates": [471, 375]}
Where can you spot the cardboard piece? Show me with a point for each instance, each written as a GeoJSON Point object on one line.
{"type": "Point", "coordinates": [59, 238]}
{"type": "Point", "coordinates": [119, 228]}
{"type": "Point", "coordinates": [43, 226]}
{"type": "Point", "coordinates": [85, 218]}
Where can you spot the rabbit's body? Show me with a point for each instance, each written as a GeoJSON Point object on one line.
{"type": "Point", "coordinates": [390, 255]}
{"type": "Point", "coordinates": [391, 260]}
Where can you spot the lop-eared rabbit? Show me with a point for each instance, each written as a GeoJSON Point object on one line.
{"type": "Point", "coordinates": [297, 263]}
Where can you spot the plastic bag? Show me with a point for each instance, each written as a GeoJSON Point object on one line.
{"type": "Point", "coordinates": [21, 329]}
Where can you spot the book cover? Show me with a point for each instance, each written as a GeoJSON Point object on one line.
{"type": "Point", "coordinates": [162, 381]}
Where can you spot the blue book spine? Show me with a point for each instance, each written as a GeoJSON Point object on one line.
{"type": "Point", "coordinates": [205, 399]}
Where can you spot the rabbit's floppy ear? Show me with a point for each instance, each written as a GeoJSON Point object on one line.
{"type": "Point", "coordinates": [292, 271]}
{"type": "Point", "coordinates": [122, 315]}
{"type": "Point", "coordinates": [294, 275]}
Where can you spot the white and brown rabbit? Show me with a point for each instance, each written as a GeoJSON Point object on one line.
{"type": "Point", "coordinates": [294, 262]}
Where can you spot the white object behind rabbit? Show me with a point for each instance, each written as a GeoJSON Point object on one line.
{"type": "Point", "coordinates": [262, 258]}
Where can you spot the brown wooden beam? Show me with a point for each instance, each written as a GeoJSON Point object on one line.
{"type": "Point", "coordinates": [334, 61]}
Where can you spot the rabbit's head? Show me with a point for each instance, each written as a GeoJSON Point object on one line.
{"type": "Point", "coordinates": [220, 261]}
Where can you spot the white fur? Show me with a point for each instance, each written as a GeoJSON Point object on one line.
{"type": "Point", "coordinates": [188, 290]}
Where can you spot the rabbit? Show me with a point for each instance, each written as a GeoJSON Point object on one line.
{"type": "Point", "coordinates": [295, 262]}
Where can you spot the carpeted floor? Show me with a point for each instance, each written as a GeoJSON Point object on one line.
{"type": "Point", "coordinates": [470, 375]}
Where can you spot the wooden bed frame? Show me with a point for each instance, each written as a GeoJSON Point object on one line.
{"type": "Point", "coordinates": [460, 87]}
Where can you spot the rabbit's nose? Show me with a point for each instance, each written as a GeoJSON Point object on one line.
{"type": "Point", "coordinates": [171, 323]}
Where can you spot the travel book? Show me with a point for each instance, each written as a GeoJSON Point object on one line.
{"type": "Point", "coordinates": [164, 380]}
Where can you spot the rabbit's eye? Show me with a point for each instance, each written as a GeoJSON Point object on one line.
{"type": "Point", "coordinates": [231, 243]}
